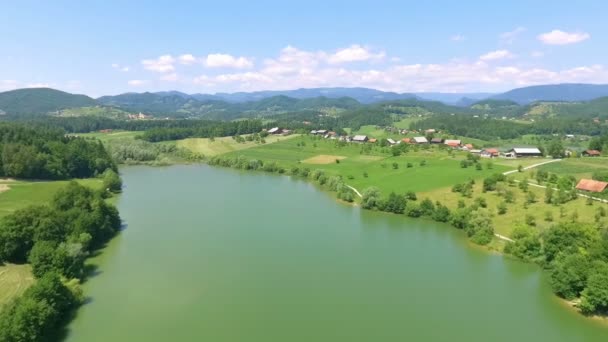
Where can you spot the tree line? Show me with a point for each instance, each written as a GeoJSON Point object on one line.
{"type": "Point", "coordinates": [55, 239]}
{"type": "Point", "coordinates": [39, 152]}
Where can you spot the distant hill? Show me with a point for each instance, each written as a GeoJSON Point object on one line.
{"type": "Point", "coordinates": [363, 95]}
{"type": "Point", "coordinates": [464, 99]}
{"type": "Point", "coordinates": [34, 101]}
{"type": "Point", "coordinates": [568, 92]}
{"type": "Point", "coordinates": [178, 105]}
{"type": "Point", "coordinates": [596, 108]}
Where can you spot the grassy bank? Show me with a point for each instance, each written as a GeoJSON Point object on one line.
{"type": "Point", "coordinates": [21, 194]}
{"type": "Point", "coordinates": [14, 280]}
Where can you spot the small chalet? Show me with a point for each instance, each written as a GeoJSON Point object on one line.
{"type": "Point", "coordinates": [406, 140]}
{"type": "Point", "coordinates": [489, 153]}
{"type": "Point", "coordinates": [420, 140]}
{"type": "Point", "coordinates": [591, 185]}
{"type": "Point", "coordinates": [519, 152]}
{"type": "Point", "coordinates": [373, 140]}
{"type": "Point", "coordinates": [437, 141]}
{"type": "Point", "coordinates": [360, 138]}
{"type": "Point", "coordinates": [468, 147]}
{"type": "Point", "coordinates": [430, 131]}
{"type": "Point", "coordinates": [391, 141]}
{"type": "Point", "coordinates": [452, 142]}
{"type": "Point", "coordinates": [321, 132]}
{"type": "Point", "coordinates": [592, 153]}
{"type": "Point", "coordinates": [275, 130]}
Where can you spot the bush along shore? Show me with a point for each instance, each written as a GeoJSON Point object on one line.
{"type": "Point", "coordinates": [574, 253]}
{"type": "Point", "coordinates": [55, 239]}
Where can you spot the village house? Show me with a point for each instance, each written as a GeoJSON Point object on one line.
{"type": "Point", "coordinates": [391, 141]}
{"type": "Point", "coordinates": [406, 140]}
{"type": "Point", "coordinates": [275, 130]}
{"type": "Point", "coordinates": [420, 140]}
{"type": "Point", "coordinates": [321, 132]}
{"type": "Point", "coordinates": [489, 153]}
{"type": "Point", "coordinates": [430, 131]}
{"type": "Point", "coordinates": [591, 185]}
{"type": "Point", "coordinates": [286, 132]}
{"type": "Point", "coordinates": [372, 140]}
{"type": "Point", "coordinates": [140, 116]}
{"type": "Point", "coordinates": [467, 147]}
{"type": "Point", "coordinates": [437, 141]}
{"type": "Point", "coordinates": [519, 152]}
{"type": "Point", "coordinates": [591, 153]}
{"type": "Point", "coordinates": [360, 138]}
{"type": "Point", "coordinates": [453, 143]}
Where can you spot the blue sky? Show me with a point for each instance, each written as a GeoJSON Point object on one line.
{"type": "Point", "coordinates": [110, 47]}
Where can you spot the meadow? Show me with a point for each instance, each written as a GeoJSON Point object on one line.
{"type": "Point", "coordinates": [21, 194]}
{"type": "Point", "coordinates": [14, 280]}
{"type": "Point", "coordinates": [368, 165]}
{"type": "Point", "coordinates": [209, 148]}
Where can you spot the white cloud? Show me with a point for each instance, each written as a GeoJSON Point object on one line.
{"type": "Point", "coordinates": [354, 53]}
{"type": "Point", "coordinates": [120, 68]}
{"type": "Point", "coordinates": [220, 60]}
{"type": "Point", "coordinates": [169, 77]}
{"type": "Point", "coordinates": [510, 36]}
{"type": "Point", "coordinates": [38, 85]}
{"type": "Point", "coordinates": [161, 64]}
{"type": "Point", "coordinates": [187, 59]}
{"type": "Point", "coordinates": [457, 38]}
{"type": "Point", "coordinates": [496, 55]}
{"type": "Point", "coordinates": [558, 37]}
{"type": "Point", "coordinates": [137, 83]}
{"type": "Point", "coordinates": [296, 68]}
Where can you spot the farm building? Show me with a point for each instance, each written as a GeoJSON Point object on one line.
{"type": "Point", "coordinates": [475, 151]}
{"type": "Point", "coordinates": [406, 140]}
{"type": "Point", "coordinates": [489, 153]}
{"type": "Point", "coordinates": [592, 153]}
{"type": "Point", "coordinates": [373, 140]}
{"type": "Point", "coordinates": [391, 141]}
{"type": "Point", "coordinates": [437, 141]}
{"type": "Point", "coordinates": [518, 152]}
{"type": "Point", "coordinates": [360, 138]}
{"type": "Point", "coordinates": [275, 130]}
{"type": "Point", "coordinates": [430, 131]}
{"type": "Point", "coordinates": [591, 185]}
{"type": "Point", "coordinates": [420, 140]}
{"type": "Point", "coordinates": [468, 147]}
{"type": "Point", "coordinates": [313, 132]}
{"type": "Point", "coordinates": [452, 142]}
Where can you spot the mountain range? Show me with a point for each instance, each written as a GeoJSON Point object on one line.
{"type": "Point", "coordinates": [40, 101]}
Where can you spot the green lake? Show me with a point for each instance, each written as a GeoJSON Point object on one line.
{"type": "Point", "coordinates": [211, 254]}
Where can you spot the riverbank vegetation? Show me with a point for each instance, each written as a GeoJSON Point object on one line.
{"type": "Point", "coordinates": [49, 227]}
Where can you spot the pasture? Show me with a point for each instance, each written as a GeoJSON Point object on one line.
{"type": "Point", "coordinates": [365, 165]}
{"type": "Point", "coordinates": [25, 193]}
{"type": "Point", "coordinates": [517, 211]}
{"type": "Point", "coordinates": [222, 145]}
{"type": "Point", "coordinates": [14, 280]}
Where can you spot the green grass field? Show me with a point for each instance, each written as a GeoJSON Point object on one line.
{"type": "Point", "coordinates": [578, 167]}
{"type": "Point", "coordinates": [14, 280]}
{"type": "Point", "coordinates": [22, 194]}
{"type": "Point", "coordinates": [440, 170]}
{"type": "Point", "coordinates": [114, 135]}
{"type": "Point", "coordinates": [225, 144]}
{"type": "Point", "coordinates": [516, 212]}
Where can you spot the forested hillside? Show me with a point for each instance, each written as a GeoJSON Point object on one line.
{"type": "Point", "coordinates": [40, 101]}
{"type": "Point", "coordinates": [39, 152]}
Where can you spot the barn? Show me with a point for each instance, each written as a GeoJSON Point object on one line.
{"type": "Point", "coordinates": [519, 152]}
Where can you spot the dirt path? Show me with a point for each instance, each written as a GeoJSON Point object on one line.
{"type": "Point", "coordinates": [502, 237]}
{"type": "Point", "coordinates": [532, 166]}
{"type": "Point", "coordinates": [355, 190]}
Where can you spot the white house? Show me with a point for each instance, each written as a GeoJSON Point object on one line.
{"type": "Point", "coordinates": [360, 138]}
{"type": "Point", "coordinates": [420, 140]}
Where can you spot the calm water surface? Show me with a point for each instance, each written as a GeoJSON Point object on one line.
{"type": "Point", "coordinates": [217, 255]}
